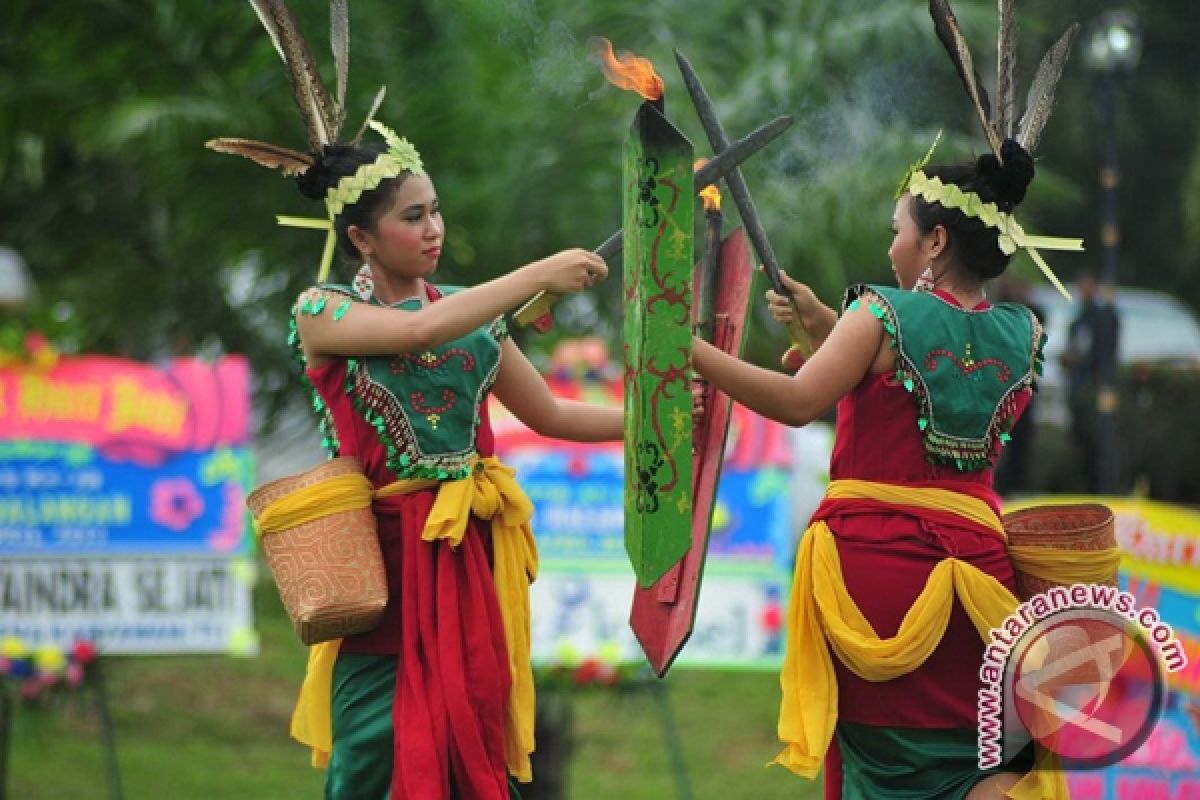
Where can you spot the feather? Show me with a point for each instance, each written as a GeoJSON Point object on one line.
{"type": "Point", "coordinates": [262, 9]}
{"type": "Point", "coordinates": [289, 162]}
{"type": "Point", "coordinates": [310, 92]}
{"type": "Point", "coordinates": [375, 104]}
{"type": "Point", "coordinates": [339, 39]}
{"type": "Point", "coordinates": [1006, 65]}
{"type": "Point", "coordinates": [946, 25]}
{"type": "Point", "coordinates": [1040, 101]}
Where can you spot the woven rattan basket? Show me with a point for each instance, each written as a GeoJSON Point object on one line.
{"type": "Point", "coordinates": [1078, 527]}
{"type": "Point", "coordinates": [329, 571]}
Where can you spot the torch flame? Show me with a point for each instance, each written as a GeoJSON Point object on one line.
{"type": "Point", "coordinates": [627, 72]}
{"type": "Point", "coordinates": [710, 195]}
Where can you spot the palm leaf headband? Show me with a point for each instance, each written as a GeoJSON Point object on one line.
{"type": "Point", "coordinates": [999, 123]}
{"type": "Point", "coordinates": [323, 116]}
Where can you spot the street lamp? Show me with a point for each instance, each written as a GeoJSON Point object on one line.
{"type": "Point", "coordinates": [1114, 43]}
{"type": "Point", "coordinates": [1112, 50]}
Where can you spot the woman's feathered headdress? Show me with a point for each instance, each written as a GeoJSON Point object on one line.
{"type": "Point", "coordinates": [999, 123]}
{"type": "Point", "coordinates": [323, 116]}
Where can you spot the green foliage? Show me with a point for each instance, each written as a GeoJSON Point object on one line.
{"type": "Point", "coordinates": [1157, 431]}
{"type": "Point", "coordinates": [158, 244]}
{"type": "Point", "coordinates": [36, 334]}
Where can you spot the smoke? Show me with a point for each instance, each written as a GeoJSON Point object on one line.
{"type": "Point", "coordinates": [866, 121]}
{"type": "Point", "coordinates": [555, 59]}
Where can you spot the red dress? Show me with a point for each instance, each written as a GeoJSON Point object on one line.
{"type": "Point", "coordinates": [442, 622]}
{"type": "Point", "coordinates": [887, 557]}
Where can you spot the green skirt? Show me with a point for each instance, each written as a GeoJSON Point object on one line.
{"type": "Point", "coordinates": [913, 763]}
{"type": "Point", "coordinates": [360, 767]}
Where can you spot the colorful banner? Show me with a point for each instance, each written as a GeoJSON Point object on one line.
{"type": "Point", "coordinates": [113, 472]}
{"type": "Point", "coordinates": [62, 499]}
{"type": "Point", "coordinates": [739, 620]}
{"type": "Point", "coordinates": [136, 605]}
{"type": "Point", "coordinates": [1160, 566]}
{"type": "Point", "coordinates": [128, 410]}
{"type": "Point", "coordinates": [1166, 767]}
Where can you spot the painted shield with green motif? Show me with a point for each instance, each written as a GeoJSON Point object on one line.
{"type": "Point", "coordinates": [658, 216]}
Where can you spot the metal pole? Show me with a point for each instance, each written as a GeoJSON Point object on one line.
{"type": "Point", "coordinates": [683, 785]}
{"type": "Point", "coordinates": [6, 714]}
{"type": "Point", "coordinates": [1104, 338]}
{"type": "Point", "coordinates": [107, 737]}
{"type": "Point", "coordinates": [1109, 178]}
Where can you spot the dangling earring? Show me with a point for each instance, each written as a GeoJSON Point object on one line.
{"type": "Point", "coordinates": [363, 283]}
{"type": "Point", "coordinates": [925, 282]}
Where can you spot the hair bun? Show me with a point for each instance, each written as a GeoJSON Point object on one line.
{"type": "Point", "coordinates": [334, 162]}
{"type": "Point", "coordinates": [1008, 181]}
{"type": "Point", "coordinates": [315, 181]}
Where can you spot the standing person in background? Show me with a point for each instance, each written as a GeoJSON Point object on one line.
{"type": "Point", "coordinates": [1089, 359]}
{"type": "Point", "coordinates": [437, 701]}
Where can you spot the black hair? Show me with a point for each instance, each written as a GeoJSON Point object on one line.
{"type": "Point", "coordinates": [973, 243]}
{"type": "Point", "coordinates": [335, 162]}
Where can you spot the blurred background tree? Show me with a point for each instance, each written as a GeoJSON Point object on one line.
{"type": "Point", "coordinates": [154, 244]}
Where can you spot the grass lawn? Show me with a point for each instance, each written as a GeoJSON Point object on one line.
{"type": "Point", "coordinates": [216, 727]}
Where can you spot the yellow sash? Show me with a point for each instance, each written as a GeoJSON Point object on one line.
{"type": "Point", "coordinates": [821, 614]}
{"type": "Point", "coordinates": [489, 492]}
{"type": "Point", "coordinates": [1096, 566]}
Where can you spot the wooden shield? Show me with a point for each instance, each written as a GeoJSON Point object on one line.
{"type": "Point", "coordinates": [658, 211]}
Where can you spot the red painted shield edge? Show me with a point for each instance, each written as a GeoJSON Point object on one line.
{"type": "Point", "coordinates": [664, 614]}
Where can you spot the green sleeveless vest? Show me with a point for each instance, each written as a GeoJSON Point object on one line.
{"type": "Point", "coordinates": [964, 368]}
{"type": "Point", "coordinates": [425, 407]}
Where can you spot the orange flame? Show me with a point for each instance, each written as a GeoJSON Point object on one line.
{"type": "Point", "coordinates": [710, 195]}
{"type": "Point", "coordinates": [627, 72]}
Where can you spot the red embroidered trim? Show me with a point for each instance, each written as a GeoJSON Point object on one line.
{"type": "Point", "coordinates": [418, 402]}
{"type": "Point", "coordinates": [431, 361]}
{"type": "Point", "coordinates": [1002, 372]}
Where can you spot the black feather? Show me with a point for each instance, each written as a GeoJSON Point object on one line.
{"type": "Point", "coordinates": [952, 39]}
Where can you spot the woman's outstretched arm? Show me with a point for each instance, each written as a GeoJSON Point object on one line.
{"type": "Point", "coordinates": [834, 370]}
{"type": "Point", "coordinates": [523, 391]}
{"type": "Point", "coordinates": [360, 329]}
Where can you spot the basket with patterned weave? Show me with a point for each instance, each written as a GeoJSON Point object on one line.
{"type": "Point", "coordinates": [1047, 546]}
{"type": "Point", "coordinates": [318, 533]}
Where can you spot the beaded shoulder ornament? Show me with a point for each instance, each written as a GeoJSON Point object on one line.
{"type": "Point", "coordinates": [998, 124]}
{"type": "Point", "coordinates": [323, 117]}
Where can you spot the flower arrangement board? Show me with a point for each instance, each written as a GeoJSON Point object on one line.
{"type": "Point", "coordinates": [122, 513]}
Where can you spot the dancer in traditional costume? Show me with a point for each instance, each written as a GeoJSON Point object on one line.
{"type": "Point", "coordinates": [904, 569]}
{"type": "Point", "coordinates": [437, 701]}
